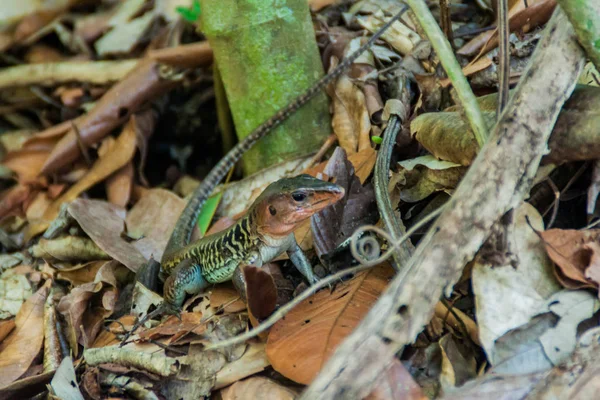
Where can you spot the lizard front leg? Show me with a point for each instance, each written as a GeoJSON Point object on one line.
{"type": "Point", "coordinates": [300, 261]}
{"type": "Point", "coordinates": [186, 278]}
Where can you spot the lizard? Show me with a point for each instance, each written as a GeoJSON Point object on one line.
{"type": "Point", "coordinates": [179, 264]}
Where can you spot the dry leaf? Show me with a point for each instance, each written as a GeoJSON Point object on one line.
{"type": "Point", "coordinates": [152, 219]}
{"type": "Point", "coordinates": [103, 224]}
{"type": "Point", "coordinates": [6, 327]}
{"type": "Point", "coordinates": [227, 297]}
{"type": "Point", "coordinates": [68, 248]}
{"type": "Point", "coordinates": [119, 184]}
{"type": "Point", "coordinates": [26, 163]}
{"type": "Point", "coordinates": [570, 251]}
{"type": "Point", "coordinates": [396, 383]}
{"type": "Point", "coordinates": [350, 119]}
{"type": "Point", "coordinates": [87, 305]}
{"type": "Point", "coordinates": [336, 223]}
{"type": "Point", "coordinates": [302, 342]}
{"type": "Point", "coordinates": [257, 388]}
{"type": "Point", "coordinates": [20, 348]}
{"type": "Point", "coordinates": [124, 150]}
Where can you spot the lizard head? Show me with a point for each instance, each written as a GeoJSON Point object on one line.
{"type": "Point", "coordinates": [289, 201]}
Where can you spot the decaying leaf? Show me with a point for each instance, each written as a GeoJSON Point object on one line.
{"type": "Point", "coordinates": [258, 387]}
{"type": "Point", "coordinates": [68, 248]}
{"type": "Point", "coordinates": [87, 305]}
{"type": "Point", "coordinates": [508, 297]}
{"type": "Point", "coordinates": [302, 342]}
{"type": "Point", "coordinates": [574, 253]}
{"type": "Point", "coordinates": [25, 342]}
{"type": "Point", "coordinates": [104, 224]}
{"type": "Point", "coordinates": [396, 383]}
{"type": "Point", "coordinates": [420, 177]}
{"type": "Point", "coordinates": [446, 134]}
{"type": "Point", "coordinates": [336, 223]}
{"type": "Point", "coordinates": [458, 362]}
{"type": "Point", "coordinates": [14, 290]}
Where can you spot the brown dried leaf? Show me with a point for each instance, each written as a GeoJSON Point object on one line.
{"type": "Point", "coordinates": [87, 305]}
{"type": "Point", "coordinates": [26, 163]}
{"type": "Point", "coordinates": [152, 219]}
{"type": "Point", "coordinates": [261, 292]}
{"type": "Point", "coordinates": [396, 383]}
{"type": "Point", "coordinates": [103, 224]}
{"type": "Point", "coordinates": [80, 274]}
{"type": "Point", "coordinates": [350, 114]}
{"type": "Point", "coordinates": [226, 296]}
{"type": "Point", "coordinates": [571, 252]}
{"type": "Point", "coordinates": [175, 328]}
{"type": "Point", "coordinates": [121, 154]}
{"type": "Point", "coordinates": [119, 184]}
{"type": "Point", "coordinates": [20, 348]}
{"type": "Point", "coordinates": [6, 327]}
{"type": "Point", "coordinates": [141, 85]}
{"type": "Point", "coordinates": [257, 387]}
{"type": "Point", "coordinates": [302, 342]}
{"type": "Point", "coordinates": [336, 223]}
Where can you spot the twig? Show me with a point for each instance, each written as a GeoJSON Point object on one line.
{"type": "Point", "coordinates": [504, 54]}
{"type": "Point", "coordinates": [452, 68]}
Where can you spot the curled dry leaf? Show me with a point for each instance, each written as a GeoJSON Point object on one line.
{"type": "Point", "coordinates": [26, 163]}
{"type": "Point", "coordinates": [68, 248]}
{"type": "Point", "coordinates": [120, 155]}
{"type": "Point", "coordinates": [302, 342]}
{"type": "Point", "coordinates": [575, 254]}
{"type": "Point", "coordinates": [119, 185]}
{"type": "Point", "coordinates": [24, 343]}
{"type": "Point", "coordinates": [418, 178]}
{"type": "Point", "coordinates": [103, 224]}
{"type": "Point", "coordinates": [258, 388]}
{"type": "Point", "coordinates": [351, 119]}
{"type": "Point", "coordinates": [87, 305]}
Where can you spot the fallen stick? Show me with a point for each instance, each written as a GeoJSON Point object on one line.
{"type": "Point", "coordinates": [497, 181]}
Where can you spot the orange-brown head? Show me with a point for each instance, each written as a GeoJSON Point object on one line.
{"type": "Point", "coordinates": [286, 203]}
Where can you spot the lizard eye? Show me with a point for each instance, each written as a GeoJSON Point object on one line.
{"type": "Point", "coordinates": [299, 196]}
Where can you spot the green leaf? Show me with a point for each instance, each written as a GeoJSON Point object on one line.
{"type": "Point", "coordinates": [376, 139]}
{"type": "Point", "coordinates": [208, 212]}
{"type": "Point", "coordinates": [191, 14]}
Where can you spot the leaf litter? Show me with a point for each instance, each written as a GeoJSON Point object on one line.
{"type": "Point", "coordinates": [78, 139]}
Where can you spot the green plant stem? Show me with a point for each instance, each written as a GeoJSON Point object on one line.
{"type": "Point", "coordinates": [452, 68]}
{"type": "Point", "coordinates": [585, 18]}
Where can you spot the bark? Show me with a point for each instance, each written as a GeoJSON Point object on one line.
{"type": "Point", "coordinates": [497, 181]}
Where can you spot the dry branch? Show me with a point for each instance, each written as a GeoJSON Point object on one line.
{"type": "Point", "coordinates": [497, 181]}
